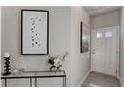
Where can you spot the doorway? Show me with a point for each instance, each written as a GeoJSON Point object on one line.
{"type": "Point", "coordinates": [105, 50]}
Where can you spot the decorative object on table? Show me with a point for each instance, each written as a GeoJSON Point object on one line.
{"type": "Point", "coordinates": [17, 70]}
{"type": "Point", "coordinates": [84, 37]}
{"type": "Point", "coordinates": [56, 62]}
{"type": "Point", "coordinates": [7, 64]}
{"type": "Point", "coordinates": [34, 32]}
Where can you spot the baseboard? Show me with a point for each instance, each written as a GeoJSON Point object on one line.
{"type": "Point", "coordinates": [84, 78]}
{"type": "Point", "coordinates": [121, 82]}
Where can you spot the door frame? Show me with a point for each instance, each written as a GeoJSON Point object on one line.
{"type": "Point", "coordinates": [118, 66]}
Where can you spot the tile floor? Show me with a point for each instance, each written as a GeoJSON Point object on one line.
{"type": "Point", "coordinates": [100, 80]}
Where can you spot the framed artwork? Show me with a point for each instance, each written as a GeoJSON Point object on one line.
{"type": "Point", "coordinates": [34, 32]}
{"type": "Point", "coordinates": [84, 37]}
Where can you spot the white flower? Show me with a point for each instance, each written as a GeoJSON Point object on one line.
{"type": "Point", "coordinates": [57, 62]}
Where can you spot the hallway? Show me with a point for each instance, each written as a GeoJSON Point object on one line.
{"type": "Point", "coordinates": [76, 40]}
{"type": "Point", "coordinates": [100, 80]}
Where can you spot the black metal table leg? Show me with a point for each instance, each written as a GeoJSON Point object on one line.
{"type": "Point", "coordinates": [65, 81]}
{"type": "Point", "coordinates": [35, 82]}
{"type": "Point", "coordinates": [30, 82]}
{"type": "Point", "coordinates": [5, 82]}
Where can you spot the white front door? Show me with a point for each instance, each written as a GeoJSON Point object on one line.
{"type": "Point", "coordinates": [105, 50]}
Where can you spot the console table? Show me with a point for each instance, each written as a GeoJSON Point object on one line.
{"type": "Point", "coordinates": [35, 75]}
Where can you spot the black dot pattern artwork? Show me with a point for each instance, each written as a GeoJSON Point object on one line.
{"type": "Point", "coordinates": [34, 33]}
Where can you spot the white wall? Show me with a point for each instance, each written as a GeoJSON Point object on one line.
{"type": "Point", "coordinates": [59, 22]}
{"type": "Point", "coordinates": [79, 61]}
{"type": "Point", "coordinates": [63, 36]}
{"type": "Point", "coordinates": [122, 48]}
{"type": "Point", "coordinates": [106, 20]}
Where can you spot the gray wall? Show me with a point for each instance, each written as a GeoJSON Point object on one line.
{"type": "Point", "coordinates": [11, 36]}
{"type": "Point", "coordinates": [60, 40]}
{"type": "Point", "coordinates": [122, 49]}
{"type": "Point", "coordinates": [79, 61]}
{"type": "Point", "coordinates": [106, 20]}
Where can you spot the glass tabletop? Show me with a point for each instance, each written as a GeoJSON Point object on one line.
{"type": "Point", "coordinates": [36, 74]}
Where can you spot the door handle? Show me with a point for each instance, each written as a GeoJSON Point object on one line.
{"type": "Point", "coordinates": [93, 51]}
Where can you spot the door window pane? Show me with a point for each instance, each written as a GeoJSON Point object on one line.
{"type": "Point", "coordinates": [108, 34]}
{"type": "Point", "coordinates": [99, 35]}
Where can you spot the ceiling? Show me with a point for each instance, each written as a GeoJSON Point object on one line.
{"type": "Point", "coordinates": [95, 10]}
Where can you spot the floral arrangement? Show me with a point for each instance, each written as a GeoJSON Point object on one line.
{"type": "Point", "coordinates": [56, 62]}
